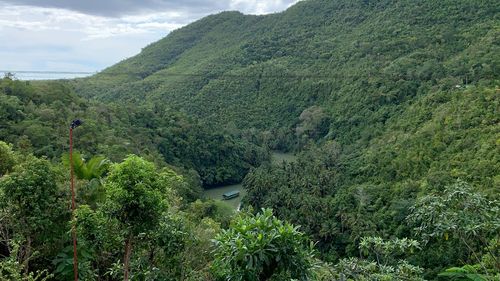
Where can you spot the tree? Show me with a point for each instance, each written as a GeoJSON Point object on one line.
{"type": "Point", "coordinates": [12, 270]}
{"type": "Point", "coordinates": [7, 158]}
{"type": "Point", "coordinates": [92, 171]}
{"type": "Point", "coordinates": [261, 247]}
{"type": "Point", "coordinates": [383, 261]}
{"type": "Point", "coordinates": [94, 168]}
{"type": "Point", "coordinates": [98, 237]}
{"type": "Point", "coordinates": [460, 214]}
{"type": "Point", "coordinates": [30, 202]}
{"type": "Point", "coordinates": [134, 198]}
{"type": "Point", "coordinates": [314, 123]}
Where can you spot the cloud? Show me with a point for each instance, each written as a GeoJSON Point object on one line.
{"type": "Point", "coordinates": [260, 7]}
{"type": "Point", "coordinates": [37, 19]}
{"type": "Point", "coordinates": [59, 40]}
{"type": "Point", "coordinates": [90, 35]}
{"type": "Point", "coordinates": [117, 8]}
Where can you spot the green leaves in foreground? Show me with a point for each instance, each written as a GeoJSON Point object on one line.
{"type": "Point", "coordinates": [94, 168]}
{"type": "Point", "coordinates": [262, 247]}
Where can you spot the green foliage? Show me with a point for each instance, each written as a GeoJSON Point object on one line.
{"type": "Point", "coordinates": [180, 248]}
{"type": "Point", "coordinates": [430, 143]}
{"type": "Point", "coordinates": [314, 123]}
{"type": "Point", "coordinates": [63, 264]}
{"type": "Point", "coordinates": [353, 190]}
{"type": "Point", "coordinates": [97, 232]}
{"type": "Point", "coordinates": [32, 214]}
{"type": "Point", "coordinates": [91, 174]}
{"type": "Point", "coordinates": [93, 168]}
{"type": "Point", "coordinates": [301, 192]}
{"type": "Point", "coordinates": [261, 247]}
{"type": "Point", "coordinates": [7, 158]}
{"type": "Point", "coordinates": [459, 214]}
{"type": "Point", "coordinates": [363, 270]}
{"type": "Point", "coordinates": [157, 132]}
{"type": "Point", "coordinates": [219, 158]}
{"type": "Point", "coordinates": [465, 273]}
{"type": "Point", "coordinates": [12, 270]}
{"type": "Point", "coordinates": [458, 211]}
{"type": "Point", "coordinates": [31, 202]}
{"type": "Point", "coordinates": [214, 209]}
{"type": "Point", "coordinates": [384, 261]}
{"type": "Point", "coordinates": [166, 244]}
{"type": "Point", "coordinates": [386, 251]}
{"type": "Point", "coordinates": [100, 239]}
{"type": "Point", "coordinates": [180, 185]}
{"type": "Point", "coordinates": [134, 199]}
{"type": "Point", "coordinates": [30, 193]}
{"type": "Point", "coordinates": [364, 62]}
{"type": "Point", "coordinates": [134, 195]}
{"type": "Point", "coordinates": [387, 101]}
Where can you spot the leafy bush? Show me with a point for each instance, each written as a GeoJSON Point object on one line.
{"type": "Point", "coordinates": [261, 247]}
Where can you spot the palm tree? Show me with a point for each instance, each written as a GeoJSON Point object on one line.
{"type": "Point", "coordinates": [92, 171]}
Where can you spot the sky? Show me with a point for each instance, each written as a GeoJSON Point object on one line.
{"type": "Point", "coordinates": [90, 35]}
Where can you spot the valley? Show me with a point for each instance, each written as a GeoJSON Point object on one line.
{"type": "Point", "coordinates": [216, 192]}
{"type": "Point", "coordinates": [389, 113]}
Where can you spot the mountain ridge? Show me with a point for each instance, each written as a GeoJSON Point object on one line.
{"type": "Point", "coordinates": [199, 54]}
{"type": "Point", "coordinates": [358, 67]}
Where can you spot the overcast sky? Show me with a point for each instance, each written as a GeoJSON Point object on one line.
{"type": "Point", "coordinates": [89, 35]}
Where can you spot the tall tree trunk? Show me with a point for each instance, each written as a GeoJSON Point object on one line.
{"type": "Point", "coordinates": [126, 260]}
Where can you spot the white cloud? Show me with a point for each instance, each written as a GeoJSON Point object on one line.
{"type": "Point", "coordinates": [260, 7]}
{"type": "Point", "coordinates": [55, 39]}
{"type": "Point", "coordinates": [31, 19]}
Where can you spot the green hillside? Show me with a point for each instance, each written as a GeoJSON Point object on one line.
{"type": "Point", "coordinates": [364, 61]}
{"type": "Point", "coordinates": [406, 93]}
{"type": "Point", "coordinates": [391, 107]}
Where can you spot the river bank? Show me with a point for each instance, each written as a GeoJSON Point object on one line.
{"type": "Point", "coordinates": [216, 192]}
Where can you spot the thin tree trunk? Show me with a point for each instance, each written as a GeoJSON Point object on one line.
{"type": "Point", "coordinates": [126, 260]}
{"type": "Point", "coordinates": [27, 255]}
{"type": "Point", "coordinates": [485, 242]}
{"type": "Point", "coordinates": [151, 255]}
{"type": "Point", "coordinates": [475, 255]}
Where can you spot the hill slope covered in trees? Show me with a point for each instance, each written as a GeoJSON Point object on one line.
{"type": "Point", "coordinates": [393, 108]}
{"type": "Point", "coordinates": [387, 100]}
{"type": "Point", "coordinates": [364, 61]}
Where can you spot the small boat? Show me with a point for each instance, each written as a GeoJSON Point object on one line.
{"type": "Point", "coordinates": [230, 195]}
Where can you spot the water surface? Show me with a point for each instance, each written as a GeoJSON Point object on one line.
{"type": "Point", "coordinates": [216, 192]}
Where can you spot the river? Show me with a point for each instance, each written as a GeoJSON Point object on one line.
{"type": "Point", "coordinates": [216, 192]}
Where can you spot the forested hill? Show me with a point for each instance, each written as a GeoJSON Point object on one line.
{"type": "Point", "coordinates": [392, 108]}
{"type": "Point", "coordinates": [360, 59]}
{"type": "Point", "coordinates": [387, 100]}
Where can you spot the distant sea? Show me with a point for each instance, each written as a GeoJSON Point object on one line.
{"type": "Point", "coordinates": [45, 75]}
